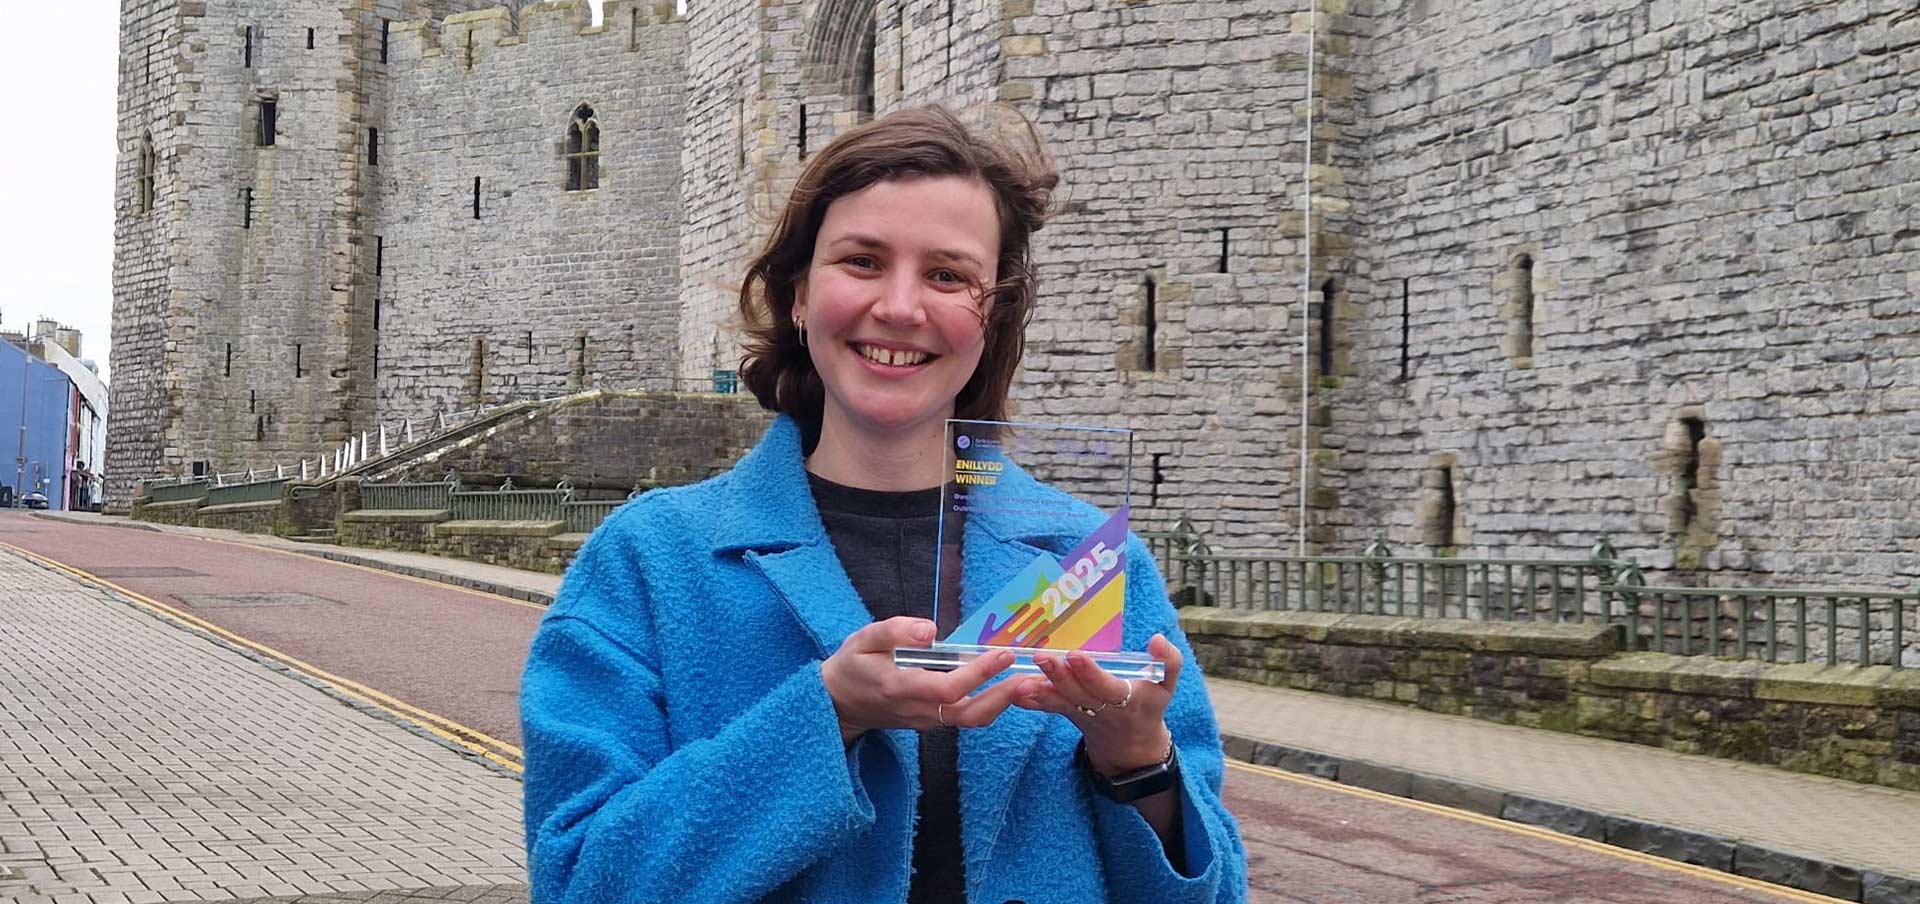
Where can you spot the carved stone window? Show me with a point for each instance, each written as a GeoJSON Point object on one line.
{"type": "Point", "coordinates": [583, 150]}
{"type": "Point", "coordinates": [143, 178]}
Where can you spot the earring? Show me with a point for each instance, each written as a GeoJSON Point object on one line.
{"type": "Point", "coordinates": [800, 329]}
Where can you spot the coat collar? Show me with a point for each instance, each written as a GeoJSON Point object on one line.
{"type": "Point", "coordinates": [768, 515]}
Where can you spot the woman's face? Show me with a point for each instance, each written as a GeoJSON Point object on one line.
{"type": "Point", "coordinates": [892, 301]}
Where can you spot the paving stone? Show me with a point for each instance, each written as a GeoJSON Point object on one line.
{"type": "Point", "coordinates": [1799, 872]}
{"type": "Point", "coordinates": [1665, 841]}
{"type": "Point", "coordinates": [1459, 795]}
{"type": "Point", "coordinates": [1384, 779]}
{"type": "Point", "coordinates": [1880, 888]}
{"type": "Point", "coordinates": [222, 743]}
{"type": "Point", "coordinates": [1556, 816]}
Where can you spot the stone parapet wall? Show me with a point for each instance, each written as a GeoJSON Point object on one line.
{"type": "Point", "coordinates": [532, 546]}
{"type": "Point", "coordinates": [1860, 724]}
{"type": "Point", "coordinates": [609, 442]}
{"type": "Point", "coordinates": [176, 513]}
{"type": "Point", "coordinates": [404, 531]}
{"type": "Point", "coordinates": [245, 517]}
{"type": "Point", "coordinates": [309, 509]}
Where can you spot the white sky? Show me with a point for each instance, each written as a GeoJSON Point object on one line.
{"type": "Point", "coordinates": [57, 167]}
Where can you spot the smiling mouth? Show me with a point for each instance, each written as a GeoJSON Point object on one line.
{"type": "Point", "coordinates": [887, 357]}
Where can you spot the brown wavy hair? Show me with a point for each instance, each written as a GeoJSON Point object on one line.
{"type": "Point", "coordinates": [920, 142]}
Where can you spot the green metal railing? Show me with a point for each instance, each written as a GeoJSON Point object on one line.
{"type": "Point", "coordinates": [1484, 589]}
{"type": "Point", "coordinates": [1774, 625]}
{"type": "Point", "coordinates": [178, 492]}
{"type": "Point", "coordinates": [584, 517]}
{"type": "Point", "coordinates": [256, 491]}
{"type": "Point", "coordinates": [433, 497]}
{"type": "Point", "coordinates": [509, 504]}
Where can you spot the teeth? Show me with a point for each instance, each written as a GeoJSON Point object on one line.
{"type": "Point", "coordinates": [890, 357]}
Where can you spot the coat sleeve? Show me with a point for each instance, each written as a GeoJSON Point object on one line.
{"type": "Point", "coordinates": [1137, 868]}
{"type": "Point", "coordinates": [616, 811]}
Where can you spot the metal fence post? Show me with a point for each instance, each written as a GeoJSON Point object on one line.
{"type": "Point", "coordinates": [1630, 579]}
{"type": "Point", "coordinates": [1377, 553]}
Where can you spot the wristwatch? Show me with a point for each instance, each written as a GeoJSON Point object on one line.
{"type": "Point", "coordinates": [1128, 787]}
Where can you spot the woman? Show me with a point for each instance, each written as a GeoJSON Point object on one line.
{"type": "Point", "coordinates": [711, 713]}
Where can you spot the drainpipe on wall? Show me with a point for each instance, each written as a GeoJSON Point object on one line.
{"type": "Point", "coordinates": [1306, 279]}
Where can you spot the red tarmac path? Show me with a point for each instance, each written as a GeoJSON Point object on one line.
{"type": "Point", "coordinates": [457, 653]}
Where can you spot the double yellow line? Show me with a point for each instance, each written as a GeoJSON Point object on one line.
{"type": "Point", "coordinates": [476, 742]}
{"type": "Point", "coordinates": [1701, 872]}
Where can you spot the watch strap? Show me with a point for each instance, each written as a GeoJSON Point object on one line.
{"type": "Point", "coordinates": [1128, 787]}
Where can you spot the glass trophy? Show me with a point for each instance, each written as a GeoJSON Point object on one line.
{"type": "Point", "coordinates": [1033, 548]}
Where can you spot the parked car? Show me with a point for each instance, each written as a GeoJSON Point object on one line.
{"type": "Point", "coordinates": [34, 500]}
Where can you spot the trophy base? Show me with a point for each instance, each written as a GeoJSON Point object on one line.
{"type": "Point", "coordinates": [946, 657]}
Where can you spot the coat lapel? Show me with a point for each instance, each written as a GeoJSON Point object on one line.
{"type": "Point", "coordinates": [811, 581]}
{"type": "Point", "coordinates": [769, 516]}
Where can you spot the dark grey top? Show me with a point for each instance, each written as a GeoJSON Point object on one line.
{"type": "Point", "coordinates": [887, 542]}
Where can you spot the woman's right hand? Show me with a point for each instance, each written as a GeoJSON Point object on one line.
{"type": "Point", "coordinates": [869, 692]}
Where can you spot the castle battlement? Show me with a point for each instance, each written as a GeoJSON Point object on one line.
{"type": "Point", "coordinates": [471, 38]}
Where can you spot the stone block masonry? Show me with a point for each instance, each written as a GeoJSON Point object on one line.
{"type": "Point", "coordinates": [1577, 267]}
{"type": "Point", "coordinates": [607, 443]}
{"type": "Point", "coordinates": [1718, 211]}
{"type": "Point", "coordinates": [537, 286]}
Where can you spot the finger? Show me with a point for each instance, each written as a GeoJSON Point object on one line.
{"type": "Point", "coordinates": [954, 686]}
{"type": "Point", "coordinates": [982, 708]}
{"type": "Point", "coordinates": [1042, 696]}
{"type": "Point", "coordinates": [1065, 682]}
{"type": "Point", "coordinates": [1102, 684]}
{"type": "Point", "coordinates": [1164, 650]}
{"type": "Point", "coordinates": [900, 631]}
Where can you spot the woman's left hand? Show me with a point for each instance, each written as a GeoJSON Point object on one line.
{"type": "Point", "coordinates": [1119, 738]}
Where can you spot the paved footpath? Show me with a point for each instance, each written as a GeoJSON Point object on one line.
{"type": "Point", "coordinates": [142, 763]}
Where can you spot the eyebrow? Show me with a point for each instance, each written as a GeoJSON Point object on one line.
{"type": "Point", "coordinates": [867, 241]}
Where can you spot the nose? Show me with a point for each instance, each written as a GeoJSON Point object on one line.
{"type": "Point", "coordinates": [900, 302]}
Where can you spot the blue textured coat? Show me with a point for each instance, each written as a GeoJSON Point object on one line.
{"type": "Point", "coordinates": [680, 745]}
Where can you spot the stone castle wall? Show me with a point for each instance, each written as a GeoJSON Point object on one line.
{"type": "Point", "coordinates": [1645, 270]}
{"type": "Point", "coordinates": [145, 241]}
{"type": "Point", "coordinates": [1173, 124]}
{"type": "Point", "coordinates": [547, 290]}
{"type": "Point", "coordinates": [724, 154]}
{"type": "Point", "coordinates": [1721, 213]}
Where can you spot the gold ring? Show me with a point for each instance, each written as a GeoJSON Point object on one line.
{"type": "Point", "coordinates": [1129, 698]}
{"type": "Point", "coordinates": [940, 712]}
{"type": "Point", "coordinates": [1090, 712]}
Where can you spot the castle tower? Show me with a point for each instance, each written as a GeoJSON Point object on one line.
{"type": "Point", "coordinates": [242, 298]}
{"type": "Point", "coordinates": [241, 279]}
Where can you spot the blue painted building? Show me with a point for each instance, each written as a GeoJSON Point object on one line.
{"type": "Point", "coordinates": [36, 426]}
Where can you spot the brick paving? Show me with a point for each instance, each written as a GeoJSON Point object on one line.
{"type": "Point", "coordinates": [140, 763]}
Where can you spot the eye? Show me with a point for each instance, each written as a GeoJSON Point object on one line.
{"type": "Point", "coordinates": [863, 262]}
{"type": "Point", "coordinates": [949, 277]}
